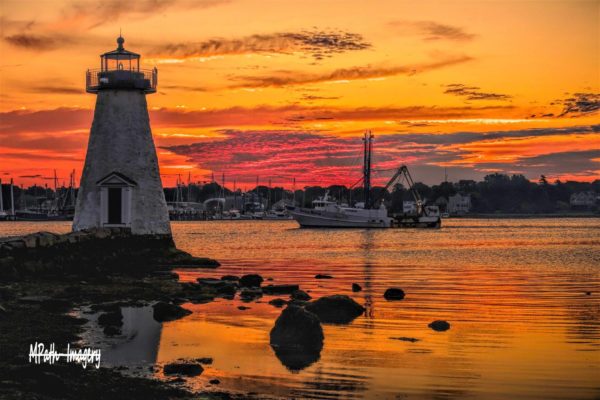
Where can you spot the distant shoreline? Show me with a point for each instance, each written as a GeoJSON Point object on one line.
{"type": "Point", "coordinates": [524, 216]}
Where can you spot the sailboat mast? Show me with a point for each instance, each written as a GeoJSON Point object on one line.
{"type": "Point", "coordinates": [1, 199]}
{"type": "Point", "coordinates": [367, 168]}
{"type": "Point", "coordinates": [12, 198]}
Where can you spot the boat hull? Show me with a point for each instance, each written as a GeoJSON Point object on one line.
{"type": "Point", "coordinates": [312, 220]}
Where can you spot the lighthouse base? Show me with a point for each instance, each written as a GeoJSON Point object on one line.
{"type": "Point", "coordinates": [121, 186]}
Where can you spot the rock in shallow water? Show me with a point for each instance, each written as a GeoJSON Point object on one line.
{"type": "Point", "coordinates": [356, 287]}
{"type": "Point", "coordinates": [250, 294]}
{"type": "Point", "coordinates": [439, 326]}
{"type": "Point", "coordinates": [251, 280]}
{"type": "Point", "coordinates": [336, 309]}
{"type": "Point", "coordinates": [394, 294]}
{"type": "Point", "coordinates": [112, 330]}
{"type": "Point", "coordinates": [114, 318]}
{"type": "Point", "coordinates": [300, 295]}
{"type": "Point", "coordinates": [278, 302]}
{"type": "Point", "coordinates": [279, 289]}
{"type": "Point", "coordinates": [180, 368]}
{"type": "Point", "coordinates": [323, 276]}
{"type": "Point", "coordinates": [168, 312]}
{"type": "Point", "coordinates": [297, 338]}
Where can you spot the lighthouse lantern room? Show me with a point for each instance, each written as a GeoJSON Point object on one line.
{"type": "Point", "coordinates": [120, 68]}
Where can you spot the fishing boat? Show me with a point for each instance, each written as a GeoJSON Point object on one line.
{"type": "Point", "coordinates": [328, 214]}
{"type": "Point", "coordinates": [371, 213]}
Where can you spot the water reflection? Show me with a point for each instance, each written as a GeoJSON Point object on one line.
{"type": "Point", "coordinates": [513, 290]}
{"type": "Point", "coordinates": [296, 359]}
{"type": "Point", "coordinates": [138, 343]}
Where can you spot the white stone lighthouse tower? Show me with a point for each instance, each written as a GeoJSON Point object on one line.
{"type": "Point", "coordinates": [120, 185]}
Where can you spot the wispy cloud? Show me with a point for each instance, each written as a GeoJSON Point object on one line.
{"type": "Point", "coordinates": [95, 13]}
{"type": "Point", "coordinates": [315, 157]}
{"type": "Point", "coordinates": [581, 103]}
{"type": "Point", "coordinates": [32, 42]}
{"type": "Point", "coordinates": [292, 78]}
{"type": "Point", "coordinates": [473, 93]}
{"type": "Point", "coordinates": [318, 44]}
{"type": "Point", "coordinates": [70, 119]}
{"type": "Point", "coordinates": [431, 30]}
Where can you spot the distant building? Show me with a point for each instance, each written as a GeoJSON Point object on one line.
{"type": "Point", "coordinates": [409, 207]}
{"type": "Point", "coordinates": [583, 199]}
{"type": "Point", "coordinates": [459, 204]}
{"type": "Point", "coordinates": [442, 204]}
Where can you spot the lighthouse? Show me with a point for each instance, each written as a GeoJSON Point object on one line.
{"type": "Point", "coordinates": [121, 186]}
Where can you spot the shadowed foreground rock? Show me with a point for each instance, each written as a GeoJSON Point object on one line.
{"type": "Point", "coordinates": [251, 280]}
{"type": "Point", "coordinates": [394, 294]}
{"type": "Point", "coordinates": [168, 312]}
{"type": "Point", "coordinates": [182, 368]}
{"type": "Point", "coordinates": [439, 326]}
{"type": "Point", "coordinates": [92, 252]}
{"type": "Point", "coordinates": [297, 338]}
{"type": "Point", "coordinates": [336, 309]}
{"type": "Point", "coordinates": [279, 289]}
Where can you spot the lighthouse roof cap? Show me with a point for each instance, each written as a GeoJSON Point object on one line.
{"type": "Point", "coordinates": [120, 52]}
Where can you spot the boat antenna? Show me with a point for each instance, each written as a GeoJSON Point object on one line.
{"type": "Point", "coordinates": [368, 147]}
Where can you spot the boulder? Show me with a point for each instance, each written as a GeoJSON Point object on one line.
{"type": "Point", "coordinates": [439, 325]}
{"type": "Point", "coordinates": [279, 289]}
{"type": "Point", "coordinates": [214, 381]}
{"type": "Point", "coordinates": [113, 318]}
{"type": "Point", "coordinates": [46, 239]}
{"type": "Point", "coordinates": [394, 294]}
{"type": "Point", "coordinates": [336, 309]}
{"type": "Point", "coordinates": [227, 290]}
{"type": "Point", "coordinates": [183, 368]}
{"type": "Point", "coordinates": [297, 338]}
{"type": "Point", "coordinates": [249, 294]}
{"type": "Point", "coordinates": [278, 302]}
{"type": "Point", "coordinates": [300, 295]}
{"type": "Point", "coordinates": [112, 330]}
{"type": "Point", "coordinates": [251, 280]}
{"type": "Point", "coordinates": [323, 276]}
{"type": "Point", "coordinates": [204, 360]}
{"type": "Point", "coordinates": [243, 308]}
{"type": "Point", "coordinates": [356, 287]}
{"type": "Point", "coordinates": [168, 312]}
{"type": "Point", "coordinates": [211, 282]}
{"type": "Point", "coordinates": [231, 278]}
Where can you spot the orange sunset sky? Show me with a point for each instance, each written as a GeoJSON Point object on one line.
{"type": "Point", "coordinates": [285, 89]}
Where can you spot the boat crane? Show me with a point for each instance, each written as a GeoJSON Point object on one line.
{"type": "Point", "coordinates": [404, 172]}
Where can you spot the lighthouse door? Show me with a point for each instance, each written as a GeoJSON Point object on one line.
{"type": "Point", "coordinates": [116, 193]}
{"type": "Point", "coordinates": [115, 206]}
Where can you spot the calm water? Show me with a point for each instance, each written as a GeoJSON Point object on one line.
{"type": "Point", "coordinates": [514, 292]}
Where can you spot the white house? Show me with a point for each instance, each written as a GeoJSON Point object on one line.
{"type": "Point", "coordinates": [459, 204]}
{"type": "Point", "coordinates": [583, 199]}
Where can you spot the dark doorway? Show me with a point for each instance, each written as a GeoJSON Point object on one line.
{"type": "Point", "coordinates": [114, 206]}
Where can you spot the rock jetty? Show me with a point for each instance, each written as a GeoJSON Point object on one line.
{"type": "Point", "coordinates": [95, 251]}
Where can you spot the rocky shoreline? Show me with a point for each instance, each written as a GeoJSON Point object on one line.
{"type": "Point", "coordinates": [43, 276]}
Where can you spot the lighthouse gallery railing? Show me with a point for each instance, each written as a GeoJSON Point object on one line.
{"type": "Point", "coordinates": [143, 79]}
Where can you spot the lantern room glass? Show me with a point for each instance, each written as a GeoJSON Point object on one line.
{"type": "Point", "coordinates": [122, 62]}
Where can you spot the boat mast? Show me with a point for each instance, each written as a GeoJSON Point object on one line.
{"type": "Point", "coordinates": [368, 139]}
{"type": "Point", "coordinates": [12, 199]}
{"type": "Point", "coordinates": [1, 200]}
